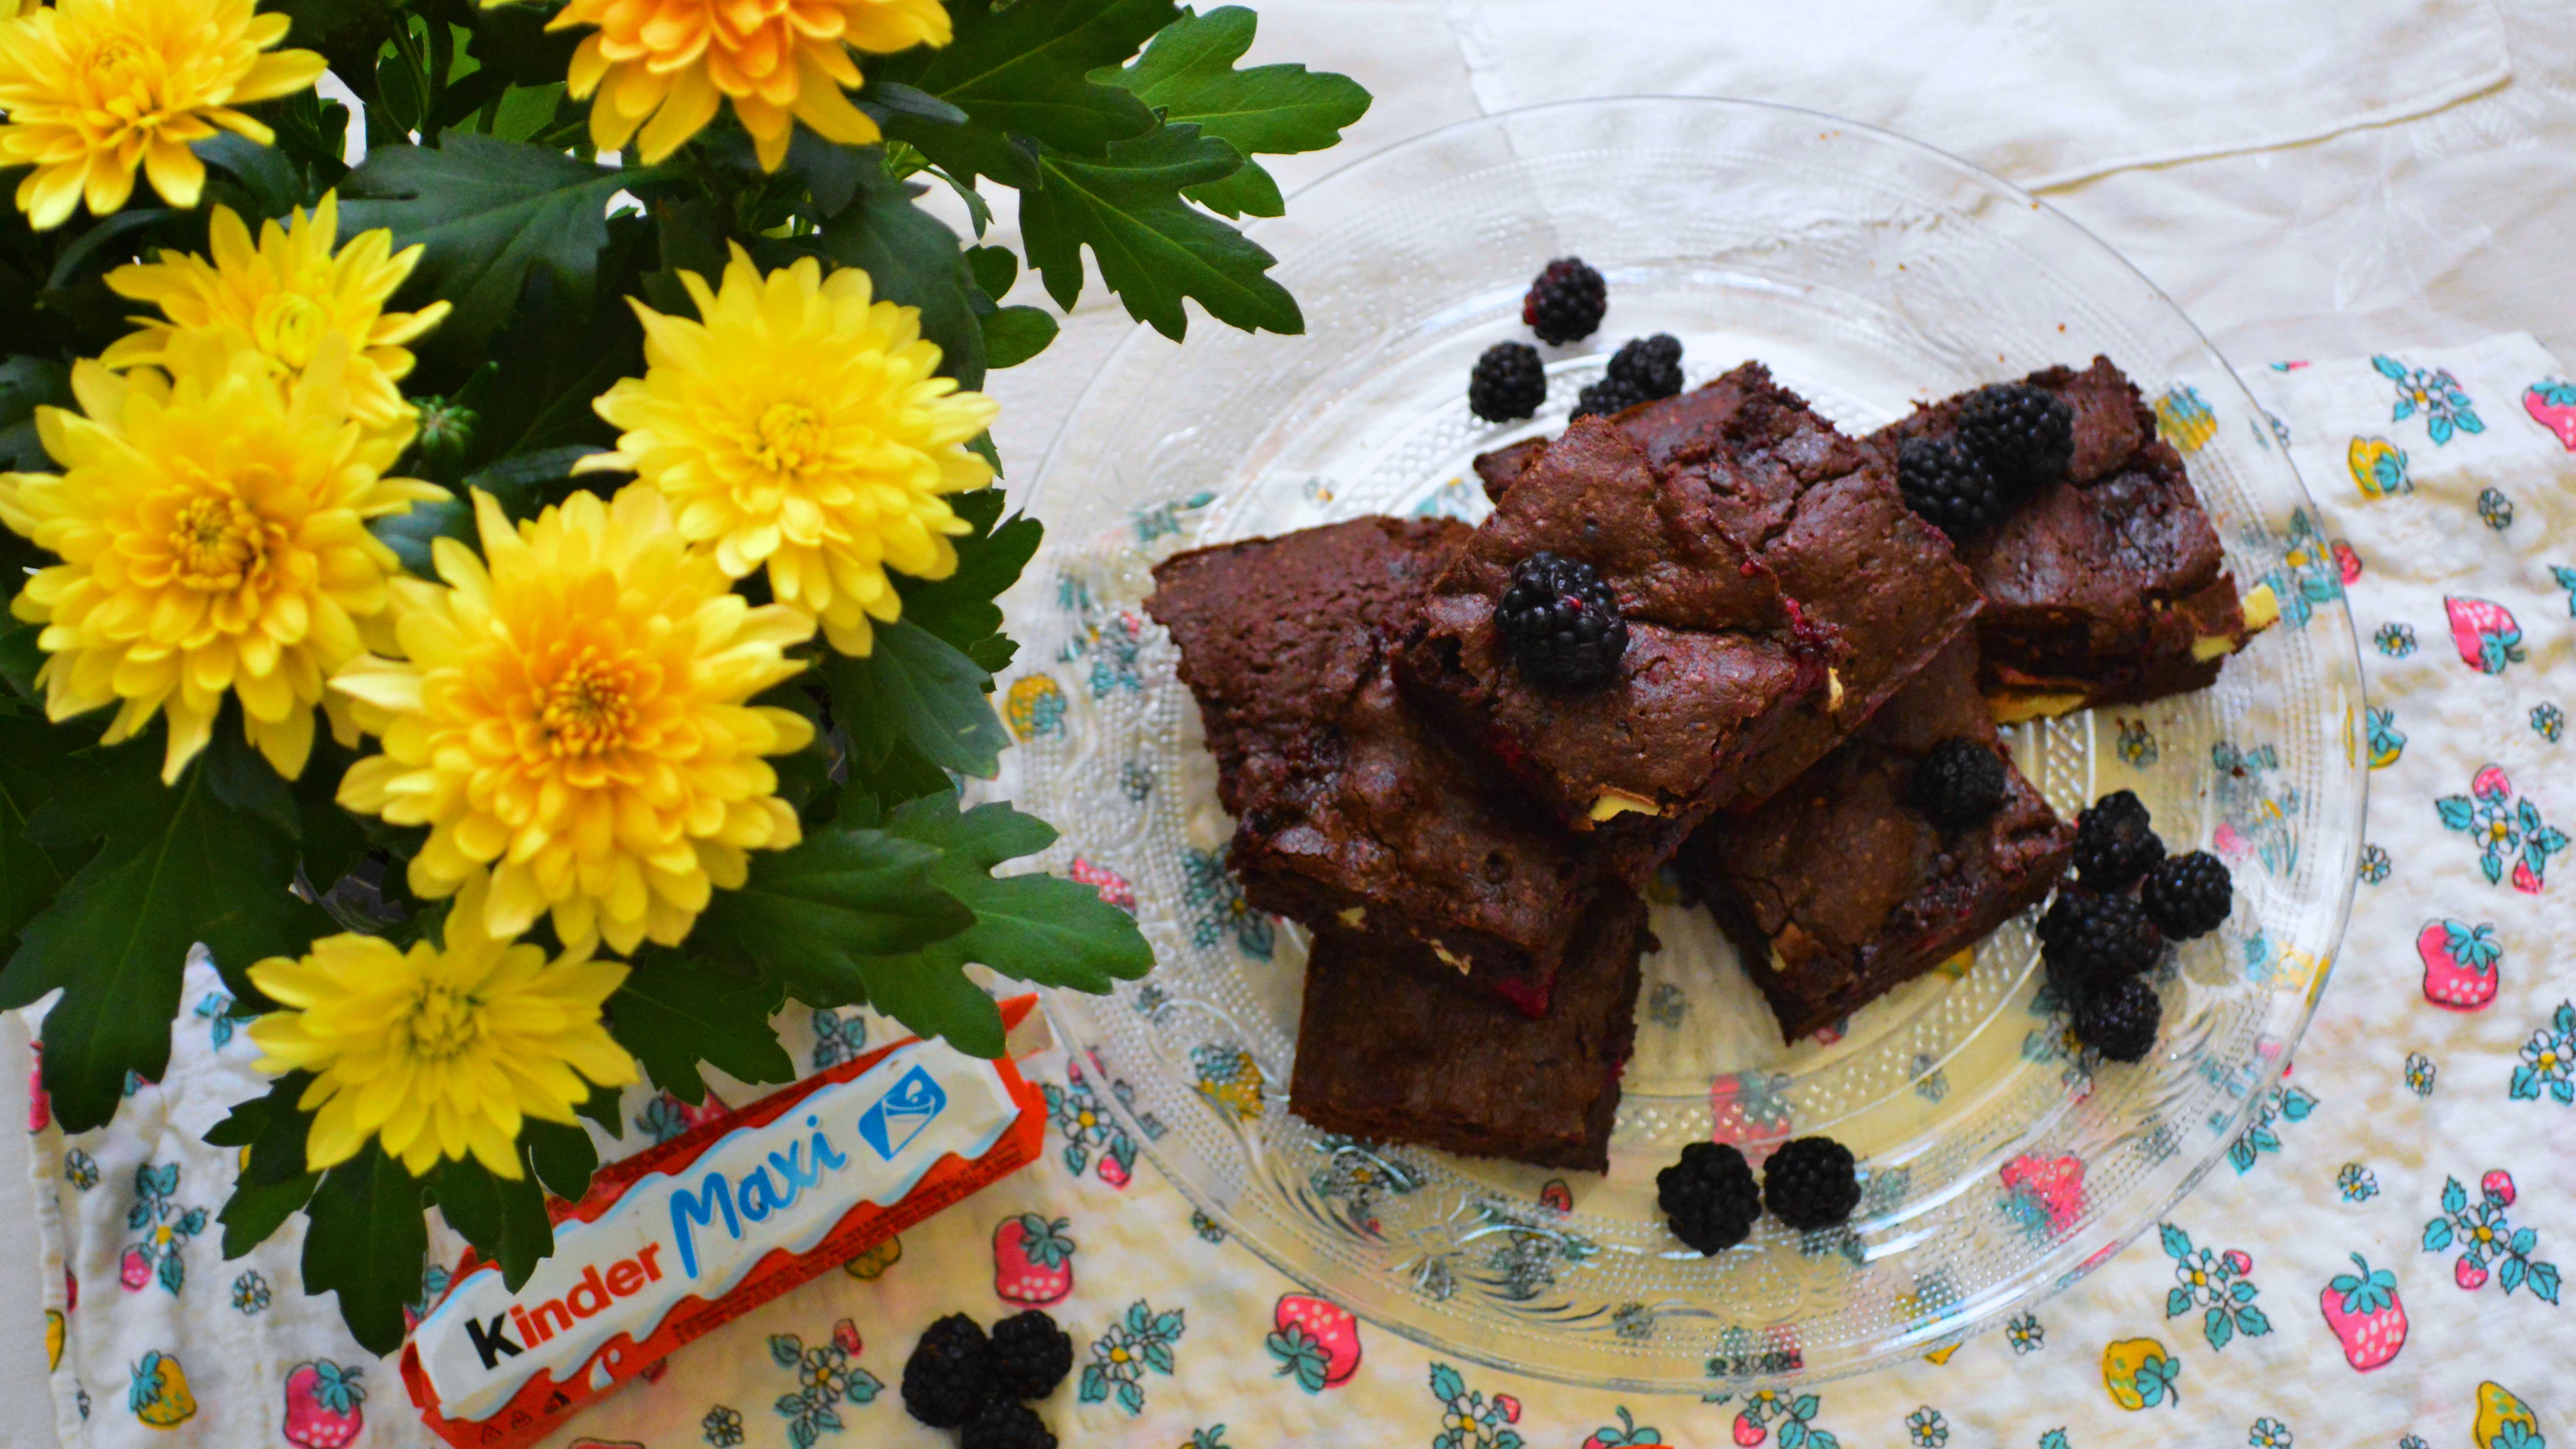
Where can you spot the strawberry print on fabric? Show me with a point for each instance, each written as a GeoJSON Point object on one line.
{"type": "Point", "coordinates": [2217, 1284]}
{"type": "Point", "coordinates": [2548, 1060]}
{"type": "Point", "coordinates": [825, 1380]}
{"type": "Point", "coordinates": [2433, 392]}
{"type": "Point", "coordinates": [2552, 404]}
{"type": "Point", "coordinates": [1313, 1341]}
{"type": "Point", "coordinates": [157, 1392]}
{"type": "Point", "coordinates": [2462, 963]}
{"type": "Point", "coordinates": [1032, 1260]}
{"type": "Point", "coordinates": [1787, 1420]}
{"type": "Point", "coordinates": [1622, 1435]}
{"type": "Point", "coordinates": [1468, 1419]}
{"type": "Point", "coordinates": [325, 1404]}
{"type": "Point", "coordinates": [2139, 1373]}
{"type": "Point", "coordinates": [2378, 467]}
{"type": "Point", "coordinates": [159, 1256]}
{"type": "Point", "coordinates": [2486, 634]}
{"type": "Point", "coordinates": [2507, 832]}
{"type": "Point", "coordinates": [2363, 1311]}
{"type": "Point", "coordinates": [2387, 741]}
{"type": "Point", "coordinates": [2486, 1238]}
{"type": "Point", "coordinates": [1142, 1340]}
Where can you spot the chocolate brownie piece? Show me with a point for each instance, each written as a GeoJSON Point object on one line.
{"type": "Point", "coordinates": [1717, 665]}
{"type": "Point", "coordinates": [1390, 1054]}
{"type": "Point", "coordinates": [1351, 811]}
{"type": "Point", "coordinates": [2108, 586]}
{"type": "Point", "coordinates": [1842, 887]}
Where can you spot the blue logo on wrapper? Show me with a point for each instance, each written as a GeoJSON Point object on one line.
{"type": "Point", "coordinates": [902, 1113]}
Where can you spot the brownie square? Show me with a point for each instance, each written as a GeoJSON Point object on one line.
{"type": "Point", "coordinates": [1351, 812]}
{"type": "Point", "coordinates": [2108, 587]}
{"type": "Point", "coordinates": [1717, 665]}
{"type": "Point", "coordinates": [1395, 1055]}
{"type": "Point", "coordinates": [1841, 889]}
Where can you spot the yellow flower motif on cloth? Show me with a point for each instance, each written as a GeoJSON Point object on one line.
{"type": "Point", "coordinates": [799, 427]}
{"type": "Point", "coordinates": [281, 298]}
{"type": "Point", "coordinates": [438, 1052]}
{"type": "Point", "coordinates": [664, 65]}
{"type": "Point", "coordinates": [95, 88]}
{"type": "Point", "coordinates": [572, 713]}
{"type": "Point", "coordinates": [213, 532]}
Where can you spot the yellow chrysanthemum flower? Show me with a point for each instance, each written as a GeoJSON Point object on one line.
{"type": "Point", "coordinates": [213, 532]}
{"type": "Point", "coordinates": [777, 61]}
{"type": "Point", "coordinates": [94, 88]}
{"type": "Point", "coordinates": [572, 713]}
{"type": "Point", "coordinates": [799, 427]}
{"type": "Point", "coordinates": [281, 299]}
{"type": "Point", "coordinates": [438, 1052]}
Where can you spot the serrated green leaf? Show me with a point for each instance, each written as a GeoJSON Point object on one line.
{"type": "Point", "coordinates": [367, 1244]}
{"type": "Point", "coordinates": [176, 868]}
{"type": "Point", "coordinates": [267, 178]}
{"type": "Point", "coordinates": [256, 1210]}
{"type": "Point", "coordinates": [1250, 191]}
{"type": "Point", "coordinates": [1023, 76]}
{"type": "Point", "coordinates": [33, 765]}
{"type": "Point", "coordinates": [918, 690]}
{"type": "Point", "coordinates": [1154, 249]}
{"type": "Point", "coordinates": [563, 1155]}
{"type": "Point", "coordinates": [241, 777]}
{"type": "Point", "coordinates": [330, 841]}
{"type": "Point", "coordinates": [1187, 73]}
{"type": "Point", "coordinates": [504, 1218]}
{"type": "Point", "coordinates": [838, 895]}
{"type": "Point", "coordinates": [1033, 928]}
{"type": "Point", "coordinates": [912, 258]}
{"type": "Point", "coordinates": [960, 607]}
{"type": "Point", "coordinates": [675, 1012]}
{"type": "Point", "coordinates": [273, 1127]}
{"type": "Point", "coordinates": [489, 212]}
{"type": "Point", "coordinates": [932, 998]}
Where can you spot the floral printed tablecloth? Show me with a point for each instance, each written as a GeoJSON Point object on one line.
{"type": "Point", "coordinates": [2377, 1263]}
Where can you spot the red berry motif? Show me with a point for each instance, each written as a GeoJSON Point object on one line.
{"type": "Point", "coordinates": [1113, 1171]}
{"type": "Point", "coordinates": [1555, 1194]}
{"type": "Point", "coordinates": [2363, 1311]}
{"type": "Point", "coordinates": [845, 1337]}
{"type": "Point", "coordinates": [1625, 1434]}
{"type": "Point", "coordinates": [2460, 964]}
{"type": "Point", "coordinates": [2055, 1186]}
{"type": "Point", "coordinates": [2498, 1185]}
{"type": "Point", "coordinates": [1113, 887]}
{"type": "Point", "coordinates": [134, 1270]}
{"type": "Point", "coordinates": [1510, 1406]}
{"type": "Point", "coordinates": [2488, 636]}
{"type": "Point", "coordinates": [1317, 1342]}
{"type": "Point", "coordinates": [2238, 1261]}
{"type": "Point", "coordinates": [2553, 406]}
{"type": "Point", "coordinates": [2469, 1273]}
{"type": "Point", "coordinates": [1747, 1432]}
{"type": "Point", "coordinates": [1032, 1260]}
{"type": "Point", "coordinates": [324, 1405]}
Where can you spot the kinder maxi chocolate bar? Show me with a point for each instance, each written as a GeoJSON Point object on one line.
{"type": "Point", "coordinates": [676, 1241]}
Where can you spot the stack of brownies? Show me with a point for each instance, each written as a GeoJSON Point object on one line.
{"type": "Point", "coordinates": [1706, 631]}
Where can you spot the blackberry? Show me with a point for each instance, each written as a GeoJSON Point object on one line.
{"type": "Point", "coordinates": [2115, 842]}
{"type": "Point", "coordinates": [2189, 895]}
{"type": "Point", "coordinates": [1562, 624]}
{"type": "Point", "coordinates": [1566, 302]}
{"type": "Point", "coordinates": [1030, 1355]}
{"type": "Point", "coordinates": [1946, 486]}
{"type": "Point", "coordinates": [1006, 1426]}
{"type": "Point", "coordinates": [1811, 1182]}
{"type": "Point", "coordinates": [950, 1374]}
{"type": "Point", "coordinates": [1507, 383]}
{"type": "Point", "coordinates": [1652, 366]}
{"type": "Point", "coordinates": [1605, 397]}
{"type": "Point", "coordinates": [2090, 940]}
{"type": "Point", "coordinates": [2120, 1019]}
{"type": "Point", "coordinates": [1709, 1196]}
{"type": "Point", "coordinates": [1960, 784]}
{"type": "Point", "coordinates": [2024, 435]}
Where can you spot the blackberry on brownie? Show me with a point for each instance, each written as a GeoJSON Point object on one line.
{"type": "Point", "coordinates": [1602, 398]}
{"type": "Point", "coordinates": [2024, 435]}
{"type": "Point", "coordinates": [1961, 783]}
{"type": "Point", "coordinates": [1566, 301]}
{"type": "Point", "coordinates": [1650, 366]}
{"type": "Point", "coordinates": [1508, 382]}
{"type": "Point", "coordinates": [1947, 486]}
{"type": "Point", "coordinates": [1562, 623]}
{"type": "Point", "coordinates": [2115, 842]}
{"type": "Point", "coordinates": [1709, 1197]}
{"type": "Point", "coordinates": [2189, 895]}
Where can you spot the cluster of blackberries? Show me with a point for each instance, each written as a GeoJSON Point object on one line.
{"type": "Point", "coordinates": [1561, 621]}
{"type": "Point", "coordinates": [1709, 1197]}
{"type": "Point", "coordinates": [2013, 439]}
{"type": "Point", "coordinates": [958, 1378]}
{"type": "Point", "coordinates": [2104, 931]}
{"type": "Point", "coordinates": [1565, 304]}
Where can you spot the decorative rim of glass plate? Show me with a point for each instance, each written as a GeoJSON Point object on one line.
{"type": "Point", "coordinates": [2002, 1163]}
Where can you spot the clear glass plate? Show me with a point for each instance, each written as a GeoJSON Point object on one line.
{"type": "Point", "coordinates": [1869, 272]}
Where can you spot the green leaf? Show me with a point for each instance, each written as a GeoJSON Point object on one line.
{"type": "Point", "coordinates": [348, 33]}
{"type": "Point", "coordinates": [367, 1243]}
{"type": "Point", "coordinates": [273, 1127]}
{"type": "Point", "coordinates": [32, 768]}
{"type": "Point", "coordinates": [563, 1154]}
{"type": "Point", "coordinates": [1035, 927]}
{"type": "Point", "coordinates": [489, 212]}
{"type": "Point", "coordinates": [995, 268]}
{"type": "Point", "coordinates": [504, 1218]}
{"type": "Point", "coordinates": [916, 689]}
{"type": "Point", "coordinates": [674, 1012]}
{"type": "Point", "coordinates": [1187, 75]}
{"type": "Point", "coordinates": [1153, 248]}
{"type": "Point", "coordinates": [177, 867]}
{"type": "Point", "coordinates": [1023, 76]}
{"type": "Point", "coordinates": [256, 1210]}
{"type": "Point", "coordinates": [26, 384]}
{"type": "Point", "coordinates": [912, 258]}
{"type": "Point", "coordinates": [1013, 335]}
{"type": "Point", "coordinates": [932, 998]}
{"type": "Point", "coordinates": [329, 841]}
{"type": "Point", "coordinates": [267, 178]}
{"type": "Point", "coordinates": [242, 778]}
{"type": "Point", "coordinates": [960, 607]}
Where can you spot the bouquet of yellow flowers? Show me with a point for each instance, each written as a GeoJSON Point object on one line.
{"type": "Point", "coordinates": [524, 601]}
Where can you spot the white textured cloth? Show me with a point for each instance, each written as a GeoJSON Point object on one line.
{"type": "Point", "coordinates": [2038, 90]}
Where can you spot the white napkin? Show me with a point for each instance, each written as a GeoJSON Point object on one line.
{"type": "Point", "coordinates": [2042, 91]}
